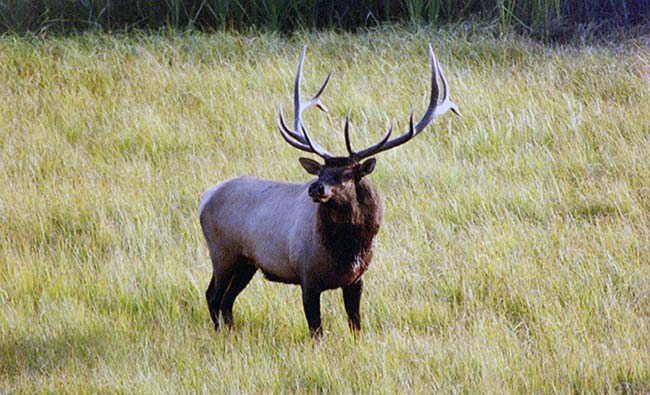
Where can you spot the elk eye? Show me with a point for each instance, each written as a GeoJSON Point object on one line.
{"type": "Point", "coordinates": [347, 175]}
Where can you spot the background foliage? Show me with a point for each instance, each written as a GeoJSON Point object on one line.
{"type": "Point", "coordinates": [545, 18]}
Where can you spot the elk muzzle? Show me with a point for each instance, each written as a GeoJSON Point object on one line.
{"type": "Point", "coordinates": [320, 192]}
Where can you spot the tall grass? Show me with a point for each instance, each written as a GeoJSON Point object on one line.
{"type": "Point", "coordinates": [513, 256]}
{"type": "Point", "coordinates": [542, 17]}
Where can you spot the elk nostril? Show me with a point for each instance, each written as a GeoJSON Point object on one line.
{"type": "Point", "coordinates": [316, 189]}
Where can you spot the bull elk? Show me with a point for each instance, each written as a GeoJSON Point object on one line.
{"type": "Point", "coordinates": [318, 234]}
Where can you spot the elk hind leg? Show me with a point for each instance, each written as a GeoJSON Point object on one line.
{"type": "Point", "coordinates": [215, 292]}
{"type": "Point", "coordinates": [244, 272]}
{"type": "Point", "coordinates": [222, 274]}
{"type": "Point", "coordinates": [210, 296]}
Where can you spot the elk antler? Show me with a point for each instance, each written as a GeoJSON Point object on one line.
{"type": "Point", "coordinates": [433, 110]}
{"type": "Point", "coordinates": [298, 137]}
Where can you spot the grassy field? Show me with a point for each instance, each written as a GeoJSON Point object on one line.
{"type": "Point", "coordinates": [514, 255]}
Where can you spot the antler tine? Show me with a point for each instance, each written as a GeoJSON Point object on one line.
{"type": "Point", "coordinates": [370, 150]}
{"type": "Point", "coordinates": [375, 148]}
{"type": "Point", "coordinates": [293, 143]}
{"type": "Point", "coordinates": [315, 101]}
{"type": "Point", "coordinates": [283, 124]}
{"type": "Point", "coordinates": [298, 137]}
{"type": "Point", "coordinates": [433, 110]}
{"type": "Point", "coordinates": [296, 92]}
{"type": "Point", "coordinates": [430, 113]}
{"type": "Point", "coordinates": [308, 146]}
{"type": "Point", "coordinates": [346, 129]}
{"type": "Point", "coordinates": [315, 147]}
{"type": "Point", "coordinates": [446, 103]}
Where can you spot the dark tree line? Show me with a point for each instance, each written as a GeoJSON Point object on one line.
{"type": "Point", "coordinates": [542, 17]}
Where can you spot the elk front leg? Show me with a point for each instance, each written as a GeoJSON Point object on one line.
{"type": "Point", "coordinates": [352, 300]}
{"type": "Point", "coordinates": [311, 303]}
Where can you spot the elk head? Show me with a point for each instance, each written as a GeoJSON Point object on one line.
{"type": "Point", "coordinates": [338, 176]}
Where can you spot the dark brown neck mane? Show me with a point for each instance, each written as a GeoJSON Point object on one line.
{"type": "Point", "coordinates": [348, 226]}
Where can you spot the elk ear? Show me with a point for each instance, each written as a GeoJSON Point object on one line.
{"type": "Point", "coordinates": [310, 165]}
{"type": "Point", "coordinates": [367, 167]}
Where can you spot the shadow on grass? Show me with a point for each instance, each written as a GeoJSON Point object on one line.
{"type": "Point", "coordinates": [33, 354]}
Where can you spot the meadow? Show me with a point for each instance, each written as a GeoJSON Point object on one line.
{"type": "Point", "coordinates": [515, 250]}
